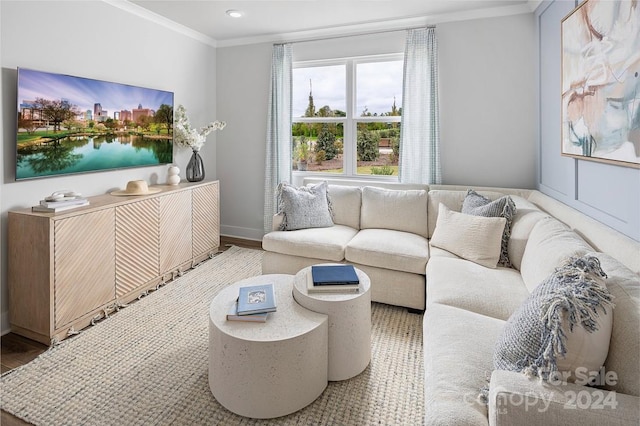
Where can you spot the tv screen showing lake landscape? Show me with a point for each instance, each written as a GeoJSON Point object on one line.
{"type": "Point", "coordinates": [70, 124]}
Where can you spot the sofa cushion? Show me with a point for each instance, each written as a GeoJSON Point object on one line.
{"type": "Point", "coordinates": [389, 249]}
{"type": "Point", "coordinates": [305, 207]}
{"type": "Point", "coordinates": [564, 325]}
{"type": "Point", "coordinates": [478, 205]}
{"type": "Point", "coordinates": [474, 238]}
{"type": "Point", "coordinates": [438, 252]}
{"type": "Point", "coordinates": [549, 244]}
{"type": "Point", "coordinates": [400, 210]}
{"type": "Point", "coordinates": [452, 199]}
{"type": "Point", "coordinates": [458, 351]}
{"type": "Point", "coordinates": [600, 236]}
{"type": "Point", "coordinates": [527, 215]}
{"type": "Point", "coordinates": [346, 202]}
{"type": "Point", "coordinates": [624, 347]}
{"type": "Point", "coordinates": [457, 282]}
{"type": "Point", "coordinates": [320, 243]}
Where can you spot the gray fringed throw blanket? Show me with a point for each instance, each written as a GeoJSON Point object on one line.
{"type": "Point", "coordinates": [533, 338]}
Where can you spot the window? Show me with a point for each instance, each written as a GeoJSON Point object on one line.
{"type": "Point", "coordinates": [347, 116]}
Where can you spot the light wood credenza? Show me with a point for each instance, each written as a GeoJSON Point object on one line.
{"type": "Point", "coordinates": [68, 269]}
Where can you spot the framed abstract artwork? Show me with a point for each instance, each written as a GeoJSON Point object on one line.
{"type": "Point", "coordinates": [601, 82]}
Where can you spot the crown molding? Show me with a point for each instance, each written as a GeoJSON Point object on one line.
{"type": "Point", "coordinates": [378, 26]}
{"type": "Point", "coordinates": [141, 12]}
{"type": "Point", "coordinates": [533, 4]}
{"type": "Point", "coordinates": [345, 30]}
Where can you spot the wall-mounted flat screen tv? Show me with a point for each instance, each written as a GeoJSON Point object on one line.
{"type": "Point", "coordinates": [70, 124]}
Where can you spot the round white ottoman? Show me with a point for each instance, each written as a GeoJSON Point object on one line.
{"type": "Point", "coordinates": [349, 324]}
{"type": "Point", "coordinates": [270, 369]}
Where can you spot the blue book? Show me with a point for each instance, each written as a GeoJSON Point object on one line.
{"type": "Point", "coordinates": [334, 275]}
{"type": "Point", "coordinates": [256, 299]}
{"type": "Point", "coordinates": [232, 315]}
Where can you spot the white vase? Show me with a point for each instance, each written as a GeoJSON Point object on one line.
{"type": "Point", "coordinates": [173, 175]}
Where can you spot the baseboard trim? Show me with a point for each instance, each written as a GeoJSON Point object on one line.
{"type": "Point", "coordinates": [240, 232]}
{"type": "Point", "coordinates": [226, 241]}
{"type": "Point", "coordinates": [5, 328]}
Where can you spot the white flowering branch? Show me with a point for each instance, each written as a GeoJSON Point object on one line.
{"type": "Point", "coordinates": [186, 136]}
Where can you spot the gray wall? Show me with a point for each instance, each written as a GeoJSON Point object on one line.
{"type": "Point", "coordinates": [243, 91]}
{"type": "Point", "coordinates": [96, 40]}
{"type": "Point", "coordinates": [487, 93]}
{"type": "Point", "coordinates": [608, 193]}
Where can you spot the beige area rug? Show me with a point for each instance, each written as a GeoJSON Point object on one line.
{"type": "Point", "coordinates": [147, 365]}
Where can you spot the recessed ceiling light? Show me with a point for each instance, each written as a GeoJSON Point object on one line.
{"type": "Point", "coordinates": [234, 13]}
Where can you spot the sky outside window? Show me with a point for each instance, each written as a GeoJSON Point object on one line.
{"type": "Point", "coordinates": [377, 83]}
{"type": "Point", "coordinates": [328, 86]}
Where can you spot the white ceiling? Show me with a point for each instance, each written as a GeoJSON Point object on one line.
{"type": "Point", "coordinates": [272, 19]}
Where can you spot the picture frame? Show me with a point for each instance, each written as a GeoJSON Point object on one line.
{"type": "Point", "coordinates": [601, 82]}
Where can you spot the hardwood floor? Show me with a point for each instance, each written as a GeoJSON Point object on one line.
{"type": "Point", "coordinates": [252, 244]}
{"type": "Point", "coordinates": [17, 350]}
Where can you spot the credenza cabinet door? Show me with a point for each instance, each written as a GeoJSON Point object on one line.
{"type": "Point", "coordinates": [206, 219]}
{"type": "Point", "coordinates": [137, 245]}
{"type": "Point", "coordinates": [175, 229]}
{"type": "Point", "coordinates": [84, 264]}
{"type": "Point", "coordinates": [30, 275]}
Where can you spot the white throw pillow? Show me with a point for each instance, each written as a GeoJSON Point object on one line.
{"type": "Point", "coordinates": [479, 205]}
{"type": "Point", "coordinates": [474, 238]}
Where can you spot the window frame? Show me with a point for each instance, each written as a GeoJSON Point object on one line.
{"type": "Point", "coordinates": [350, 122]}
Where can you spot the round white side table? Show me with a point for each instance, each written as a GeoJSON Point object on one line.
{"type": "Point", "coordinates": [349, 324]}
{"type": "Point", "coordinates": [270, 369]}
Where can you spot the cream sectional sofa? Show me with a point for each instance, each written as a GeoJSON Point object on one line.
{"type": "Point", "coordinates": [383, 233]}
{"type": "Point", "coordinates": [386, 233]}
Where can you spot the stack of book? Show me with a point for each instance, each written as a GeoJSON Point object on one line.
{"type": "Point", "coordinates": [62, 204]}
{"type": "Point", "coordinates": [333, 279]}
{"type": "Point", "coordinates": [253, 304]}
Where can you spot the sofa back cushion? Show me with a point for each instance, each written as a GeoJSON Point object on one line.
{"type": "Point", "coordinates": [624, 347]}
{"type": "Point", "coordinates": [451, 199]}
{"type": "Point", "coordinates": [600, 236]}
{"type": "Point", "coordinates": [527, 215]}
{"type": "Point", "coordinates": [549, 245]}
{"type": "Point", "coordinates": [400, 210]}
{"type": "Point", "coordinates": [346, 202]}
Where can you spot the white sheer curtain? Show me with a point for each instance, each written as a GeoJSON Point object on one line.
{"type": "Point", "coordinates": [278, 152]}
{"type": "Point", "coordinates": [420, 135]}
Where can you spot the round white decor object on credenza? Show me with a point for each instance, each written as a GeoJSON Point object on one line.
{"type": "Point", "coordinates": [173, 175]}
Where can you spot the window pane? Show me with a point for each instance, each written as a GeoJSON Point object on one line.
{"type": "Point", "coordinates": [318, 89]}
{"type": "Point", "coordinates": [378, 88]}
{"type": "Point", "coordinates": [318, 147]}
{"type": "Point", "coordinates": [378, 148]}
{"type": "Point", "coordinates": [372, 124]}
